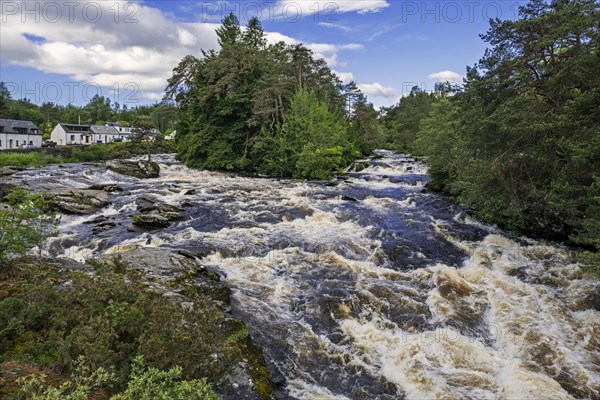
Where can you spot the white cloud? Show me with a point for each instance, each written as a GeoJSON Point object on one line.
{"type": "Point", "coordinates": [336, 25]}
{"type": "Point", "coordinates": [151, 95]}
{"type": "Point", "coordinates": [327, 51]}
{"type": "Point", "coordinates": [106, 53]}
{"type": "Point", "coordinates": [446, 76]}
{"type": "Point", "coordinates": [345, 77]}
{"type": "Point", "coordinates": [378, 90]}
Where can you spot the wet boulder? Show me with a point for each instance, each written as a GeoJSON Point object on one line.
{"type": "Point", "coordinates": [154, 220]}
{"type": "Point", "coordinates": [103, 227]}
{"type": "Point", "coordinates": [142, 169]}
{"type": "Point", "coordinates": [107, 187]}
{"type": "Point", "coordinates": [154, 214]}
{"type": "Point", "coordinates": [78, 201]}
{"type": "Point", "coordinates": [8, 171]}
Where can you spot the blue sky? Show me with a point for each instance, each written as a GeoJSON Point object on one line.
{"type": "Point", "coordinates": [65, 51]}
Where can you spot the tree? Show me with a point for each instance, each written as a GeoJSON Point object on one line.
{"type": "Point", "coordinates": [5, 99]}
{"type": "Point", "coordinates": [520, 144]}
{"type": "Point", "coordinates": [401, 122]}
{"type": "Point", "coordinates": [237, 107]}
{"type": "Point", "coordinates": [145, 133]}
{"type": "Point", "coordinates": [312, 142]}
{"type": "Point", "coordinates": [99, 110]}
{"type": "Point", "coordinates": [26, 223]}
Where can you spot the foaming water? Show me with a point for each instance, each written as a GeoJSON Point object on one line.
{"type": "Point", "coordinates": [373, 288]}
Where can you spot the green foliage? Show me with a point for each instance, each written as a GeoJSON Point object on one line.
{"type": "Point", "coordinates": [110, 319]}
{"type": "Point", "coordinates": [239, 108]}
{"type": "Point", "coordinates": [520, 143]}
{"type": "Point", "coordinates": [83, 381]}
{"type": "Point", "coordinates": [25, 224]}
{"type": "Point", "coordinates": [401, 122]}
{"type": "Point", "coordinates": [94, 152]}
{"type": "Point", "coordinates": [144, 383]}
{"type": "Point", "coordinates": [152, 383]}
{"type": "Point", "coordinates": [162, 115]}
{"type": "Point", "coordinates": [33, 159]}
{"type": "Point", "coordinates": [311, 143]}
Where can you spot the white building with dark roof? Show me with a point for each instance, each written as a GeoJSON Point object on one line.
{"type": "Point", "coordinates": [125, 130]}
{"type": "Point", "coordinates": [16, 133]}
{"type": "Point", "coordinates": [70, 134]}
{"type": "Point", "coordinates": [106, 134]}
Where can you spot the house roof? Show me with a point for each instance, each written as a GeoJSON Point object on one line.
{"type": "Point", "coordinates": [117, 124]}
{"type": "Point", "coordinates": [75, 128]}
{"type": "Point", "coordinates": [10, 126]}
{"type": "Point", "coordinates": [104, 130]}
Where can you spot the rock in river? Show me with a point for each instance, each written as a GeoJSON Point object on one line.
{"type": "Point", "coordinates": [154, 219]}
{"type": "Point", "coordinates": [78, 201]}
{"type": "Point", "coordinates": [154, 214]}
{"type": "Point", "coordinates": [142, 169]}
{"type": "Point", "coordinates": [107, 187]}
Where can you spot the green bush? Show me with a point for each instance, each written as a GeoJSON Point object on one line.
{"type": "Point", "coordinates": [109, 318]}
{"type": "Point", "coordinates": [33, 159]}
{"type": "Point", "coordinates": [26, 223]}
{"type": "Point", "coordinates": [144, 383]}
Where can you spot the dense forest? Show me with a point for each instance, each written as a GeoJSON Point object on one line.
{"type": "Point", "coordinates": [99, 110]}
{"type": "Point", "coordinates": [520, 141]}
{"type": "Point", "coordinates": [272, 109]}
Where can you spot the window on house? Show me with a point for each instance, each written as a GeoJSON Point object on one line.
{"type": "Point", "coordinates": [1, 129]}
{"type": "Point", "coordinates": [72, 138]}
{"type": "Point", "coordinates": [0, 143]}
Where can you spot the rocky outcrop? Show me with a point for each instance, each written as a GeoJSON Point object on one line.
{"type": "Point", "coordinates": [142, 169]}
{"type": "Point", "coordinates": [154, 220]}
{"type": "Point", "coordinates": [154, 214]}
{"type": "Point", "coordinates": [107, 187]}
{"type": "Point", "coordinates": [175, 276]}
{"type": "Point", "coordinates": [8, 171]}
{"type": "Point", "coordinates": [78, 201]}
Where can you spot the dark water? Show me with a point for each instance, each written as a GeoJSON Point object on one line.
{"type": "Point", "coordinates": [373, 288]}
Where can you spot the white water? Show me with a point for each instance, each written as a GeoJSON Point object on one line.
{"type": "Point", "coordinates": [395, 295]}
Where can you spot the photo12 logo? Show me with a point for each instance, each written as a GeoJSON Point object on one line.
{"type": "Point", "coordinates": [71, 92]}
{"type": "Point", "coordinates": [71, 11]}
{"type": "Point", "coordinates": [287, 11]}
{"type": "Point", "coordinates": [455, 12]}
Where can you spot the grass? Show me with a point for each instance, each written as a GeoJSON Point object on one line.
{"type": "Point", "coordinates": [94, 152]}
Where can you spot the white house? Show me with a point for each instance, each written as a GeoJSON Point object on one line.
{"type": "Point", "coordinates": [125, 130]}
{"type": "Point", "coordinates": [66, 134]}
{"type": "Point", "coordinates": [15, 133]}
{"type": "Point", "coordinates": [106, 134]}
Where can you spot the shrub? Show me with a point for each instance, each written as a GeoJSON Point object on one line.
{"type": "Point", "coordinates": [26, 223]}
{"type": "Point", "coordinates": [144, 383]}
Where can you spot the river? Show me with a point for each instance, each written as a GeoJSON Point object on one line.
{"type": "Point", "coordinates": [372, 288]}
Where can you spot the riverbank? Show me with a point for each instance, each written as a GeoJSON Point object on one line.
{"type": "Point", "coordinates": [74, 154]}
{"type": "Point", "coordinates": [148, 303]}
{"type": "Point", "coordinates": [344, 285]}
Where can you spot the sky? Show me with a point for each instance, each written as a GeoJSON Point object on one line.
{"type": "Point", "coordinates": [69, 51]}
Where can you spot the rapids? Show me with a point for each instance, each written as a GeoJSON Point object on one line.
{"type": "Point", "coordinates": [374, 288]}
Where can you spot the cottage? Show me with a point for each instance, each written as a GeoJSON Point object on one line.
{"type": "Point", "coordinates": [106, 134]}
{"type": "Point", "coordinates": [125, 130]}
{"type": "Point", "coordinates": [69, 134]}
{"type": "Point", "coordinates": [15, 133]}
